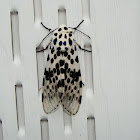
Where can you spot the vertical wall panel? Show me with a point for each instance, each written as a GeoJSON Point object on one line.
{"type": "Point", "coordinates": [40, 67]}
{"type": "Point", "coordinates": [86, 9]}
{"type": "Point", "coordinates": [44, 130]}
{"type": "Point", "coordinates": [37, 10]}
{"type": "Point", "coordinates": [20, 108]}
{"type": "Point", "coordinates": [62, 19]}
{"type": "Point", "coordinates": [1, 131]}
{"type": "Point", "coordinates": [89, 67]}
{"type": "Point", "coordinates": [91, 128]}
{"type": "Point", "coordinates": [15, 36]}
{"type": "Point", "coordinates": [67, 123]}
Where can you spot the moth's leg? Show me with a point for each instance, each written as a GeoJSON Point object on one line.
{"type": "Point", "coordinates": [40, 88]}
{"type": "Point", "coordinates": [46, 47]}
{"type": "Point", "coordinates": [81, 47]}
{"type": "Point", "coordinates": [46, 27]}
{"type": "Point", "coordinates": [83, 84]}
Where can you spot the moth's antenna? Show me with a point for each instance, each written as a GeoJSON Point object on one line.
{"type": "Point", "coordinates": [83, 33]}
{"type": "Point", "coordinates": [47, 36]}
{"type": "Point", "coordinates": [79, 24]}
{"type": "Point", "coordinates": [46, 27]}
{"type": "Point", "coordinates": [79, 30]}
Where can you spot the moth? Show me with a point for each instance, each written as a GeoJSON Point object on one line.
{"type": "Point", "coordinates": [62, 81]}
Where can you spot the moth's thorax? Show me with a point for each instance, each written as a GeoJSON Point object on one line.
{"type": "Point", "coordinates": [62, 38]}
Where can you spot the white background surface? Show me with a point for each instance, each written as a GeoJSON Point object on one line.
{"type": "Point", "coordinates": [111, 74]}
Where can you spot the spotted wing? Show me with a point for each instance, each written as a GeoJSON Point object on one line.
{"type": "Point", "coordinates": [49, 90]}
{"type": "Point", "coordinates": [73, 83]}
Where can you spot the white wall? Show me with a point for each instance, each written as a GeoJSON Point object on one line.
{"type": "Point", "coordinates": [110, 108]}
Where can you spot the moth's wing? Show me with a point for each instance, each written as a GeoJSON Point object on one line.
{"type": "Point", "coordinates": [73, 83]}
{"type": "Point", "coordinates": [49, 89]}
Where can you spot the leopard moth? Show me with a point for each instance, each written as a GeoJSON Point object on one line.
{"type": "Point", "coordinates": [62, 81]}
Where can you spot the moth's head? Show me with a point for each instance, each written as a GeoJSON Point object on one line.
{"type": "Point", "coordinates": [62, 38]}
{"type": "Point", "coordinates": [65, 29]}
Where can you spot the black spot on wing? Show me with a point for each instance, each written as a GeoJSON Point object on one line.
{"type": "Point", "coordinates": [65, 88]}
{"type": "Point", "coordinates": [73, 95]}
{"type": "Point", "coordinates": [48, 58]}
{"type": "Point", "coordinates": [47, 74]}
{"type": "Point", "coordinates": [80, 83]}
{"type": "Point", "coordinates": [65, 28]}
{"type": "Point", "coordinates": [68, 57]}
{"type": "Point", "coordinates": [65, 53]}
{"type": "Point", "coordinates": [72, 51]}
{"type": "Point", "coordinates": [66, 65]}
{"type": "Point", "coordinates": [65, 74]}
{"type": "Point", "coordinates": [54, 80]}
{"type": "Point", "coordinates": [59, 84]}
{"type": "Point", "coordinates": [65, 36]}
{"type": "Point", "coordinates": [62, 70]}
{"type": "Point", "coordinates": [55, 56]}
{"type": "Point", "coordinates": [76, 59]}
{"type": "Point", "coordinates": [58, 53]}
{"type": "Point", "coordinates": [58, 72]}
{"type": "Point", "coordinates": [70, 34]}
{"type": "Point", "coordinates": [43, 82]}
{"type": "Point", "coordinates": [70, 41]}
{"type": "Point", "coordinates": [60, 35]}
{"type": "Point", "coordinates": [76, 77]}
{"type": "Point", "coordinates": [64, 43]}
{"type": "Point", "coordinates": [47, 87]}
{"type": "Point", "coordinates": [58, 48]}
{"type": "Point", "coordinates": [55, 34]}
{"type": "Point", "coordinates": [73, 74]}
{"type": "Point", "coordinates": [79, 73]}
{"type": "Point", "coordinates": [72, 82]}
{"type": "Point", "coordinates": [52, 50]}
{"type": "Point", "coordinates": [42, 97]}
{"type": "Point", "coordinates": [52, 60]}
{"type": "Point", "coordinates": [60, 43]}
{"type": "Point", "coordinates": [80, 99]}
{"type": "Point", "coordinates": [59, 29]}
{"type": "Point", "coordinates": [62, 82]}
{"type": "Point", "coordinates": [75, 88]}
{"type": "Point", "coordinates": [54, 70]}
{"type": "Point", "coordinates": [69, 70]}
{"type": "Point", "coordinates": [68, 80]}
{"type": "Point", "coordinates": [54, 41]}
{"type": "Point", "coordinates": [57, 65]}
{"type": "Point", "coordinates": [71, 61]}
{"type": "Point", "coordinates": [56, 77]}
{"type": "Point", "coordinates": [61, 62]}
